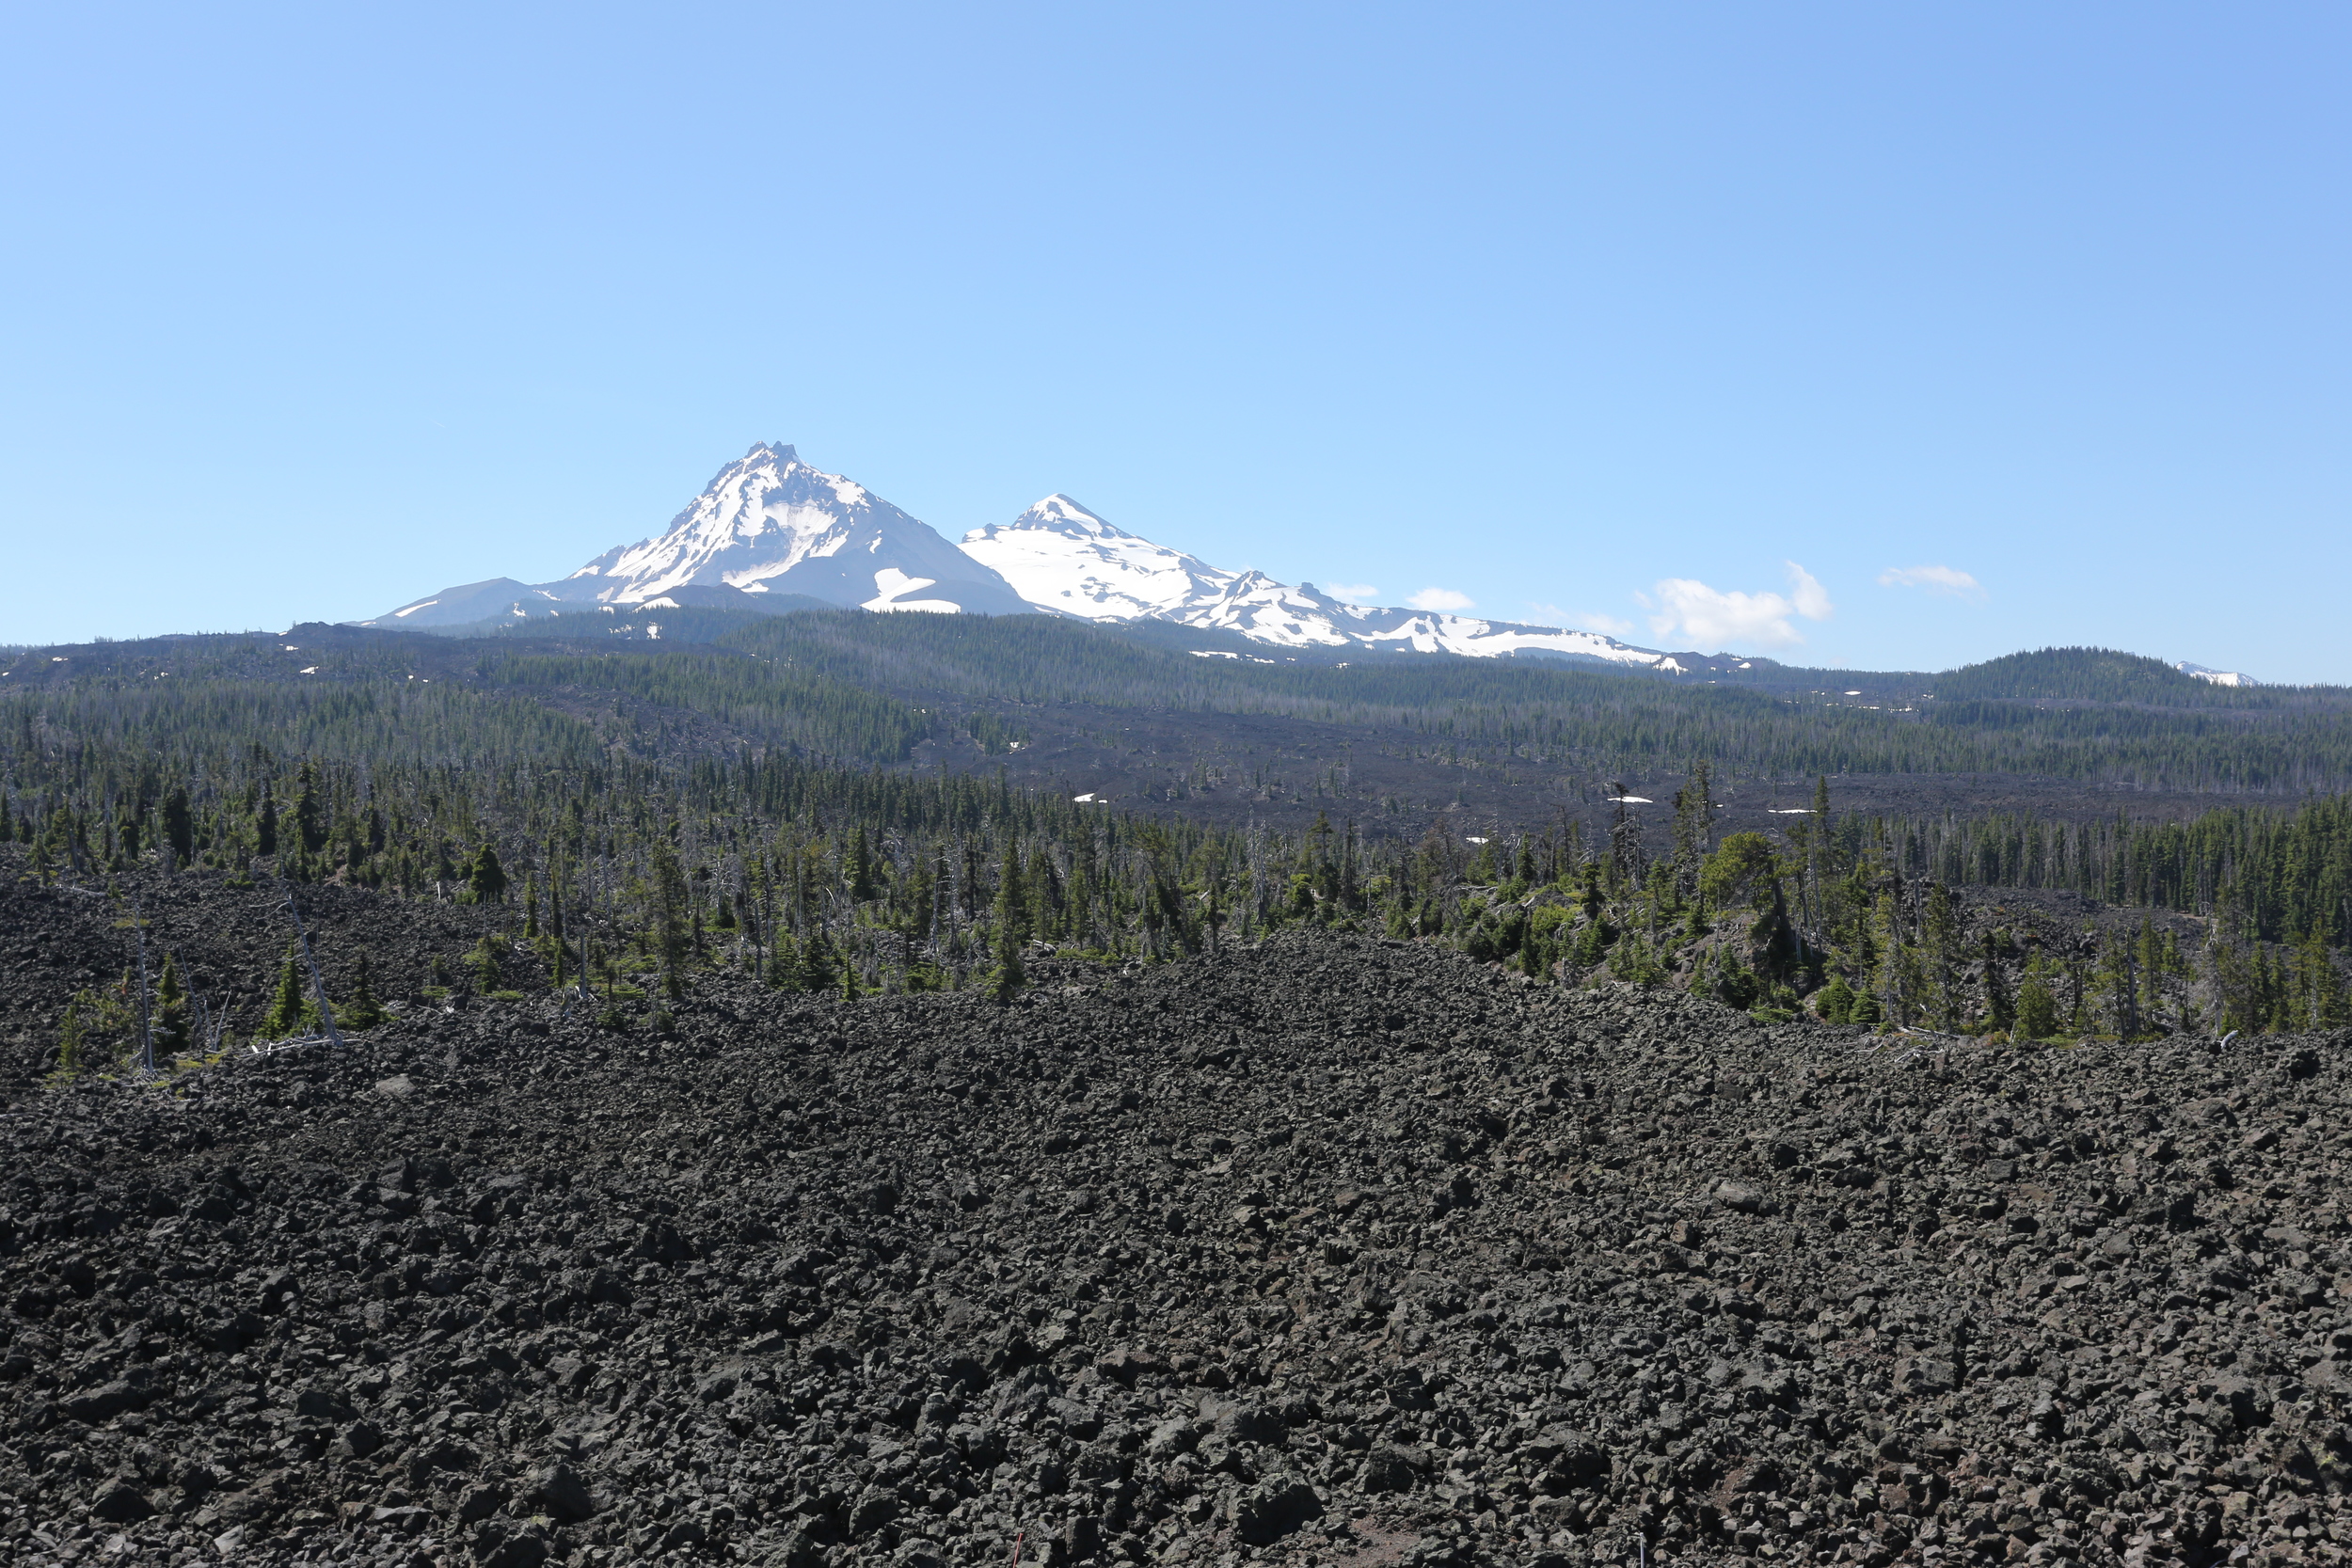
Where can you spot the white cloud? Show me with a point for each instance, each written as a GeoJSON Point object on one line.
{"type": "Point", "coordinates": [1810, 597]}
{"type": "Point", "coordinates": [1353, 592]}
{"type": "Point", "coordinates": [1935, 579]}
{"type": "Point", "coordinates": [1441, 598]}
{"type": "Point", "coordinates": [1713, 617]}
{"type": "Point", "coordinates": [1580, 620]}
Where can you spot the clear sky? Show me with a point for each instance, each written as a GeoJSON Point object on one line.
{"type": "Point", "coordinates": [1891, 336]}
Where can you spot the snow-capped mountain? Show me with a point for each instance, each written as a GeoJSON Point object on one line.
{"type": "Point", "coordinates": [2216, 677]}
{"type": "Point", "coordinates": [772, 533]}
{"type": "Point", "coordinates": [768, 528]}
{"type": "Point", "coordinates": [770, 523]}
{"type": "Point", "coordinates": [1066, 560]}
{"type": "Point", "coordinates": [1062, 558]}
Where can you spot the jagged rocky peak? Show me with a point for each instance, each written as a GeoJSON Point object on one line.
{"type": "Point", "coordinates": [767, 528]}
{"type": "Point", "coordinates": [770, 523]}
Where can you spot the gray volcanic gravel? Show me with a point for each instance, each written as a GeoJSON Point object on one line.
{"type": "Point", "coordinates": [1327, 1250]}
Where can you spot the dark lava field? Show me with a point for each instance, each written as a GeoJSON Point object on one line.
{"type": "Point", "coordinates": [1325, 1251]}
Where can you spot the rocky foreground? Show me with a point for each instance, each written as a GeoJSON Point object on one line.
{"type": "Point", "coordinates": [1329, 1251]}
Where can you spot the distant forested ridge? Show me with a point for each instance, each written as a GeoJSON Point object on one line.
{"type": "Point", "coordinates": [854, 687]}
{"type": "Point", "coordinates": [2102, 675]}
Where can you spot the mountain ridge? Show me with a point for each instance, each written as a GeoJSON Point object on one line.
{"type": "Point", "coordinates": [772, 533]}
{"type": "Point", "coordinates": [1067, 560]}
{"type": "Point", "coordinates": [767, 525]}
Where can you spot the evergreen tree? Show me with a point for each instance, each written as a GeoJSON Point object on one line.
{"type": "Point", "coordinates": [64, 838]}
{"type": "Point", "coordinates": [309, 812]}
{"type": "Point", "coordinates": [861, 867]}
{"type": "Point", "coordinates": [1835, 1002]}
{"type": "Point", "coordinates": [2000, 1012]}
{"type": "Point", "coordinates": [265, 830]}
{"type": "Point", "coordinates": [2317, 988]}
{"type": "Point", "coordinates": [1400, 920]}
{"type": "Point", "coordinates": [1694, 827]}
{"type": "Point", "coordinates": [360, 1010]}
{"type": "Point", "coordinates": [1734, 984]}
{"type": "Point", "coordinates": [1592, 943]}
{"type": "Point", "coordinates": [486, 878]}
{"type": "Point", "coordinates": [671, 940]}
{"type": "Point", "coordinates": [1738, 872]}
{"type": "Point", "coordinates": [1533, 962]}
{"type": "Point", "coordinates": [1942, 958]}
{"type": "Point", "coordinates": [179, 825]}
{"type": "Point", "coordinates": [290, 1010]}
{"type": "Point", "coordinates": [2115, 989]}
{"type": "Point", "coordinates": [2150, 951]}
{"type": "Point", "coordinates": [488, 967]}
{"type": "Point", "coordinates": [1780, 950]}
{"type": "Point", "coordinates": [1907, 988]}
{"type": "Point", "coordinates": [74, 1033]}
{"type": "Point", "coordinates": [1627, 863]}
{"type": "Point", "coordinates": [2037, 1010]}
{"type": "Point", "coordinates": [818, 972]}
{"type": "Point", "coordinates": [173, 1024]}
{"type": "Point", "coordinates": [1898, 979]}
{"type": "Point", "coordinates": [1012, 913]}
{"type": "Point", "coordinates": [784, 963]}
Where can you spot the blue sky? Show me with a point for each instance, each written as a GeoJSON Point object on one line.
{"type": "Point", "coordinates": [1882, 336]}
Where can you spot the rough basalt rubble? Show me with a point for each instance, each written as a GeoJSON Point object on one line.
{"type": "Point", "coordinates": [56, 939]}
{"type": "Point", "coordinates": [1327, 1250]}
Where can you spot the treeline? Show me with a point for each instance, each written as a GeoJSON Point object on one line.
{"type": "Point", "coordinates": [104, 728]}
{"type": "Point", "coordinates": [854, 687]}
{"type": "Point", "coordinates": [628, 860]}
{"type": "Point", "coordinates": [630, 877]}
{"type": "Point", "coordinates": [2208, 738]}
{"type": "Point", "coordinates": [2280, 877]}
{"type": "Point", "coordinates": [369, 699]}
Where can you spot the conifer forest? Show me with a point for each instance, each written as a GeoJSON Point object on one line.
{"type": "Point", "coordinates": [861, 805]}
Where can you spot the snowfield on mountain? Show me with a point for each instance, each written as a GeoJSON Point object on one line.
{"type": "Point", "coordinates": [772, 533]}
